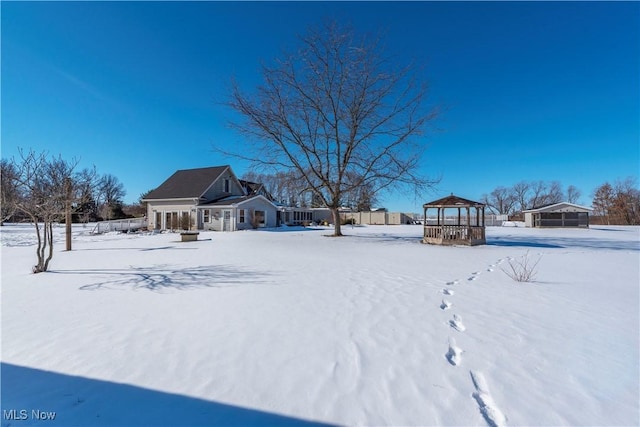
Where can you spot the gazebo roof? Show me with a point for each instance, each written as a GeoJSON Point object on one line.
{"type": "Point", "coordinates": [453, 201]}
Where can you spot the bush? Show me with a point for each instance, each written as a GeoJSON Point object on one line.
{"type": "Point", "coordinates": [522, 269]}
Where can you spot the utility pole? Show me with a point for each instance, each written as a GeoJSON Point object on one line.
{"type": "Point", "coordinates": [68, 212]}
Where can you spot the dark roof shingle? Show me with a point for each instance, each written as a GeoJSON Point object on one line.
{"type": "Point", "coordinates": [453, 201]}
{"type": "Point", "coordinates": [187, 183]}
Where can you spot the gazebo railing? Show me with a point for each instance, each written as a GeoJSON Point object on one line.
{"type": "Point", "coordinates": [454, 232]}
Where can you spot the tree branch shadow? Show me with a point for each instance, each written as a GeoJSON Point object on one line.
{"type": "Point", "coordinates": [159, 278]}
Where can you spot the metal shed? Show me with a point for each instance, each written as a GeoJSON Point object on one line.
{"type": "Point", "coordinates": [562, 214]}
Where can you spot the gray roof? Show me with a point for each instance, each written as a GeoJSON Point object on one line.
{"type": "Point", "coordinates": [560, 207]}
{"type": "Point", "coordinates": [187, 183]}
{"type": "Point", "coordinates": [452, 201]}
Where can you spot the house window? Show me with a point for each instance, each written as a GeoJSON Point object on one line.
{"type": "Point", "coordinates": [171, 221]}
{"type": "Point", "coordinates": [241, 216]}
{"type": "Point", "coordinates": [158, 224]}
{"type": "Point", "coordinates": [260, 218]}
{"type": "Point", "coordinates": [185, 221]}
{"type": "Point", "coordinates": [226, 185]}
{"type": "Point", "coordinates": [206, 215]}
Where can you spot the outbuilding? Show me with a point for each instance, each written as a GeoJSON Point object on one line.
{"type": "Point", "coordinates": [562, 214]}
{"type": "Point", "coordinates": [465, 227]}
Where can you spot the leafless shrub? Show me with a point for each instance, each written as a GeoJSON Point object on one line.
{"type": "Point", "coordinates": [523, 269]}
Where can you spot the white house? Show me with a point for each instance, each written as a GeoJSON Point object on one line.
{"type": "Point", "coordinates": [209, 199]}
{"type": "Point", "coordinates": [562, 214]}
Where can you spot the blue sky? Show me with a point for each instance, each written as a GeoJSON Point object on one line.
{"type": "Point", "coordinates": [530, 90]}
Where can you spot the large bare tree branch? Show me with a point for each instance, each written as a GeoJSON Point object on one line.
{"type": "Point", "coordinates": [340, 114]}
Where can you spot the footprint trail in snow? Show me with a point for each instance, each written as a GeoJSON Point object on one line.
{"type": "Point", "coordinates": [454, 355]}
{"type": "Point", "coordinates": [488, 408]}
{"type": "Point", "coordinates": [456, 323]}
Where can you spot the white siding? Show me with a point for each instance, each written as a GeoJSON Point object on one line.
{"type": "Point", "coordinates": [253, 205]}
{"type": "Point", "coordinates": [177, 207]}
{"type": "Point", "coordinates": [217, 188]}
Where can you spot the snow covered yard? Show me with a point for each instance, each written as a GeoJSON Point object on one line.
{"type": "Point", "coordinates": [290, 327]}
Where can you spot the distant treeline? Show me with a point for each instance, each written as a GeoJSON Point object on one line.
{"type": "Point", "coordinates": [612, 204]}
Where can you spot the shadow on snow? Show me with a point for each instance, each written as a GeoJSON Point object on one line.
{"type": "Point", "coordinates": [564, 242]}
{"type": "Point", "coordinates": [118, 249]}
{"type": "Point", "coordinates": [385, 237]}
{"type": "Point", "coordinates": [79, 401]}
{"type": "Point", "coordinates": [160, 277]}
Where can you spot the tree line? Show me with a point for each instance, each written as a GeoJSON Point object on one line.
{"type": "Point", "coordinates": [528, 195]}
{"type": "Point", "coordinates": [94, 197]}
{"type": "Point", "coordinates": [291, 189]}
{"type": "Point", "coordinates": [46, 190]}
{"type": "Point", "coordinates": [614, 204]}
{"type": "Point", "coordinates": [618, 203]}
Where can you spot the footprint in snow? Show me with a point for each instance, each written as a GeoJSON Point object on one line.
{"type": "Point", "coordinates": [454, 354]}
{"type": "Point", "coordinates": [445, 304]}
{"type": "Point", "coordinates": [456, 323]}
{"type": "Point", "coordinates": [488, 408]}
{"type": "Point", "coordinates": [447, 291]}
{"type": "Point", "coordinates": [454, 282]}
{"type": "Point", "coordinates": [474, 276]}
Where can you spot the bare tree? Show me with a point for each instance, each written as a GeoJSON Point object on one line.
{"type": "Point", "coordinates": [538, 194]}
{"type": "Point", "coordinates": [573, 194]}
{"type": "Point", "coordinates": [501, 201]}
{"type": "Point", "coordinates": [42, 187]}
{"type": "Point", "coordinates": [86, 197]}
{"type": "Point", "coordinates": [361, 199]}
{"type": "Point", "coordinates": [603, 201]}
{"type": "Point", "coordinates": [8, 190]}
{"type": "Point", "coordinates": [520, 193]}
{"type": "Point", "coordinates": [283, 187]}
{"type": "Point", "coordinates": [111, 192]}
{"type": "Point", "coordinates": [554, 194]}
{"type": "Point", "coordinates": [336, 109]}
{"type": "Point", "coordinates": [626, 202]}
{"type": "Point", "coordinates": [47, 191]}
{"type": "Point", "coordinates": [619, 203]}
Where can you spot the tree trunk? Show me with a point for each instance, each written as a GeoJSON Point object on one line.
{"type": "Point", "coordinates": [45, 241]}
{"type": "Point", "coordinates": [46, 262]}
{"type": "Point", "coordinates": [336, 222]}
{"type": "Point", "coordinates": [38, 267]}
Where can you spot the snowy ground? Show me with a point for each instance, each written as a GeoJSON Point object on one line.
{"type": "Point", "coordinates": [291, 327]}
